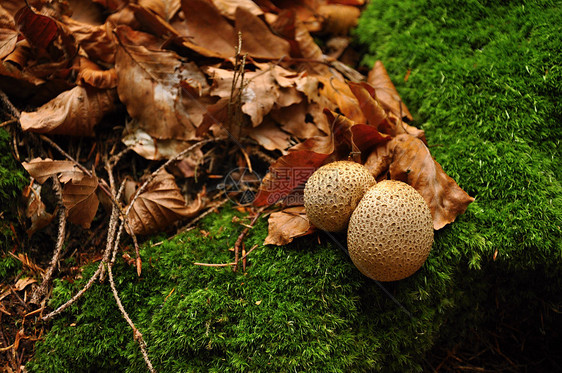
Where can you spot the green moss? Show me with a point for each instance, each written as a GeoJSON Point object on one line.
{"type": "Point", "coordinates": [302, 307]}
{"type": "Point", "coordinates": [485, 86]}
{"type": "Point", "coordinates": [12, 180]}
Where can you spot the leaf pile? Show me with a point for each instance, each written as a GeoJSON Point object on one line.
{"type": "Point", "coordinates": [191, 70]}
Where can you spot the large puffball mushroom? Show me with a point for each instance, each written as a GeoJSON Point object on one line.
{"type": "Point", "coordinates": [333, 191]}
{"type": "Point", "coordinates": [390, 232]}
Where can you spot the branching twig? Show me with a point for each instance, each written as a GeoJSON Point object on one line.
{"type": "Point", "coordinates": [226, 264]}
{"type": "Point", "coordinates": [241, 238]}
{"type": "Point", "coordinates": [137, 334]}
{"type": "Point", "coordinates": [42, 289]}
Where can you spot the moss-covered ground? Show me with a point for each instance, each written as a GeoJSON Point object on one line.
{"type": "Point", "coordinates": [484, 81]}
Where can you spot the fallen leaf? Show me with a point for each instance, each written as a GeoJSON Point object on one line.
{"type": "Point", "coordinates": [386, 92]}
{"type": "Point", "coordinates": [38, 29]}
{"type": "Point", "coordinates": [228, 7]}
{"type": "Point", "coordinates": [91, 74]}
{"type": "Point", "coordinates": [285, 225]}
{"type": "Point", "coordinates": [36, 211]}
{"type": "Point", "coordinates": [208, 29]}
{"type": "Point", "coordinates": [160, 205]}
{"type": "Point", "coordinates": [42, 169]}
{"type": "Point", "coordinates": [23, 282]}
{"type": "Point", "coordinates": [74, 112]}
{"type": "Point", "coordinates": [149, 84]}
{"type": "Point", "coordinates": [411, 162]}
{"type": "Point", "coordinates": [338, 19]}
{"type": "Point", "coordinates": [96, 40]}
{"type": "Point", "coordinates": [257, 39]}
{"type": "Point", "coordinates": [80, 199]}
{"type": "Point", "coordinates": [8, 41]}
{"type": "Point", "coordinates": [287, 173]}
{"type": "Point", "coordinates": [270, 136]}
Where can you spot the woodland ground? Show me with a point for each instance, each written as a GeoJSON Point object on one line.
{"type": "Point", "coordinates": [483, 79]}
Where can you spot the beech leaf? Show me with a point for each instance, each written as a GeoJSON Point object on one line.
{"type": "Point", "coordinates": [74, 112]}
{"type": "Point", "coordinates": [38, 29]}
{"type": "Point", "coordinates": [42, 169]}
{"type": "Point", "coordinates": [8, 40]}
{"type": "Point", "coordinates": [413, 164]}
{"type": "Point", "coordinates": [160, 205]}
{"type": "Point", "coordinates": [386, 93]}
{"type": "Point", "coordinates": [285, 225]}
{"type": "Point", "coordinates": [257, 39]}
{"type": "Point", "coordinates": [80, 199]}
{"type": "Point", "coordinates": [149, 84]}
{"type": "Point", "coordinates": [208, 29]}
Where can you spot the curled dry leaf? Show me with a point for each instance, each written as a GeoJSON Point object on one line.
{"type": "Point", "coordinates": [286, 225]}
{"type": "Point", "coordinates": [413, 164]}
{"type": "Point", "coordinates": [228, 7]}
{"type": "Point", "coordinates": [257, 39]}
{"type": "Point", "coordinates": [74, 112]}
{"type": "Point", "coordinates": [38, 29]}
{"type": "Point", "coordinates": [36, 211]}
{"type": "Point", "coordinates": [81, 201]}
{"type": "Point", "coordinates": [160, 205]}
{"type": "Point", "coordinates": [407, 158]}
{"type": "Point", "coordinates": [96, 40]}
{"type": "Point", "coordinates": [208, 29]}
{"type": "Point", "coordinates": [91, 74]}
{"type": "Point", "coordinates": [42, 169]}
{"type": "Point", "coordinates": [8, 40]}
{"type": "Point", "coordinates": [149, 84]}
{"type": "Point", "coordinates": [385, 91]}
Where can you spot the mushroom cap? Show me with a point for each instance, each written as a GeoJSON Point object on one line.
{"type": "Point", "coordinates": [390, 232]}
{"type": "Point", "coordinates": [333, 191]}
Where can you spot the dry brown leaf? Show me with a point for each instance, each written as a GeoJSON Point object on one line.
{"type": "Point", "coordinates": [228, 7]}
{"type": "Point", "coordinates": [339, 93]}
{"type": "Point", "coordinates": [42, 169]}
{"type": "Point", "coordinates": [257, 39]}
{"type": "Point", "coordinates": [74, 112]}
{"type": "Point", "coordinates": [149, 84]}
{"type": "Point", "coordinates": [96, 40]}
{"type": "Point", "coordinates": [286, 225]}
{"type": "Point", "coordinates": [160, 205]}
{"type": "Point", "coordinates": [385, 91]}
{"type": "Point", "coordinates": [80, 199]}
{"type": "Point", "coordinates": [208, 29]}
{"type": "Point", "coordinates": [149, 148]}
{"type": "Point", "coordinates": [270, 136]}
{"type": "Point", "coordinates": [407, 158]}
{"type": "Point", "coordinates": [338, 19]}
{"type": "Point", "coordinates": [8, 41]}
{"type": "Point", "coordinates": [36, 210]}
{"type": "Point", "coordinates": [91, 74]}
{"type": "Point", "coordinates": [260, 93]}
{"type": "Point", "coordinates": [293, 119]}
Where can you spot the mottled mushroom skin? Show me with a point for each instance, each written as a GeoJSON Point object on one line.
{"type": "Point", "coordinates": [390, 232]}
{"type": "Point", "coordinates": [333, 191]}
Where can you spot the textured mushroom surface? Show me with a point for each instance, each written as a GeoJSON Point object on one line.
{"type": "Point", "coordinates": [390, 232]}
{"type": "Point", "coordinates": [333, 191]}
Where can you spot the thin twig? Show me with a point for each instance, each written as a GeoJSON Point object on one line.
{"type": "Point", "coordinates": [241, 238]}
{"type": "Point", "coordinates": [225, 264]}
{"type": "Point", "coordinates": [111, 232]}
{"type": "Point", "coordinates": [42, 289]}
{"type": "Point", "coordinates": [137, 334]}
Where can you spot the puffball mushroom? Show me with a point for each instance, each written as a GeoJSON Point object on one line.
{"type": "Point", "coordinates": [390, 232]}
{"type": "Point", "coordinates": [333, 191]}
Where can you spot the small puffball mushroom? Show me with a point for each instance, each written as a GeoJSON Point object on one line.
{"type": "Point", "coordinates": [390, 232]}
{"type": "Point", "coordinates": [333, 191]}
